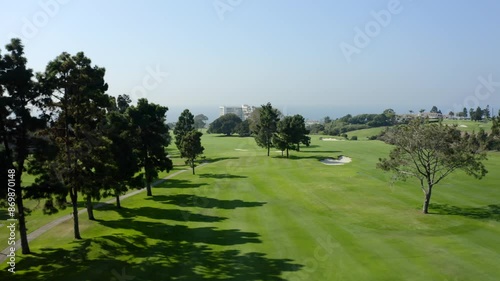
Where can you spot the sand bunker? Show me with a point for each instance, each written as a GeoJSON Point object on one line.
{"type": "Point", "coordinates": [340, 161]}
{"type": "Point", "coordinates": [239, 149]}
{"type": "Point", "coordinates": [462, 126]}
{"type": "Point", "coordinates": [330, 139]}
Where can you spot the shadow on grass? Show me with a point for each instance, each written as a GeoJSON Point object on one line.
{"type": "Point", "coordinates": [212, 160]}
{"type": "Point", "coordinates": [297, 156]}
{"type": "Point", "coordinates": [4, 214]}
{"type": "Point", "coordinates": [490, 212]}
{"type": "Point", "coordinates": [175, 183]}
{"type": "Point", "coordinates": [185, 200]}
{"type": "Point", "coordinates": [181, 233]}
{"type": "Point", "coordinates": [221, 176]}
{"type": "Point", "coordinates": [133, 257]}
{"type": "Point", "coordinates": [164, 214]}
{"type": "Point", "coordinates": [319, 151]}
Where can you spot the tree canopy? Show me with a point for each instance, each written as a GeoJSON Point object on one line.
{"type": "Point", "coordinates": [148, 120]}
{"type": "Point", "coordinates": [291, 131]}
{"type": "Point", "coordinates": [266, 126]}
{"type": "Point", "coordinates": [200, 121]}
{"type": "Point", "coordinates": [184, 125]}
{"type": "Point", "coordinates": [226, 124]}
{"type": "Point", "coordinates": [191, 147]}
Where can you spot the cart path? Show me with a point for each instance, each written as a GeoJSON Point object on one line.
{"type": "Point", "coordinates": [45, 228]}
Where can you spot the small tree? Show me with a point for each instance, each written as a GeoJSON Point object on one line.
{"type": "Point", "coordinates": [431, 152]}
{"type": "Point", "coordinates": [267, 126]}
{"type": "Point", "coordinates": [184, 125]}
{"type": "Point", "coordinates": [494, 136]}
{"type": "Point", "coordinates": [243, 129]}
{"type": "Point", "coordinates": [200, 121]}
{"type": "Point", "coordinates": [191, 147]}
{"type": "Point", "coordinates": [300, 133]}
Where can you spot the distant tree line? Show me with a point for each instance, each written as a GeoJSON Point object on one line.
{"type": "Point", "coordinates": [349, 123]}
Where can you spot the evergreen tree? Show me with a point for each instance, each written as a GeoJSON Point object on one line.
{"type": "Point", "coordinates": [149, 123]}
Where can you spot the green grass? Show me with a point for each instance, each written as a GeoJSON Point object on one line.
{"type": "Point", "coordinates": [246, 216]}
{"type": "Point", "coordinates": [364, 134]}
{"type": "Point", "coordinates": [470, 126]}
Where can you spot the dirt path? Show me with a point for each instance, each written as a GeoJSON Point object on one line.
{"type": "Point", "coordinates": [45, 228]}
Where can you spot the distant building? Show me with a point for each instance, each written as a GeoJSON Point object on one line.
{"type": "Point", "coordinates": [243, 111]}
{"type": "Point", "coordinates": [311, 122]}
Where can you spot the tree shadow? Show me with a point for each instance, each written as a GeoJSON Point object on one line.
{"type": "Point", "coordinates": [490, 212]}
{"type": "Point", "coordinates": [221, 176]}
{"type": "Point", "coordinates": [216, 159]}
{"type": "Point", "coordinates": [164, 214]}
{"type": "Point", "coordinates": [120, 257]}
{"type": "Point", "coordinates": [182, 233]}
{"type": "Point", "coordinates": [320, 151]}
{"type": "Point", "coordinates": [4, 215]}
{"type": "Point", "coordinates": [185, 200]}
{"type": "Point", "coordinates": [176, 183]}
{"type": "Point", "coordinates": [315, 157]}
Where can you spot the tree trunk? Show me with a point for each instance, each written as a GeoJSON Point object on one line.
{"type": "Point", "coordinates": [192, 165]}
{"type": "Point", "coordinates": [298, 146]}
{"type": "Point", "coordinates": [427, 200]}
{"type": "Point", "coordinates": [148, 186]}
{"type": "Point", "coordinates": [268, 149]}
{"type": "Point", "coordinates": [22, 220]}
{"type": "Point", "coordinates": [117, 195]}
{"type": "Point", "coordinates": [90, 208]}
{"type": "Point", "coordinates": [74, 202]}
{"type": "Point", "coordinates": [287, 152]}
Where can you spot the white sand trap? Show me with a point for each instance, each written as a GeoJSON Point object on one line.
{"type": "Point", "coordinates": [463, 126]}
{"type": "Point", "coordinates": [239, 149]}
{"type": "Point", "coordinates": [340, 161]}
{"type": "Point", "coordinates": [330, 139]}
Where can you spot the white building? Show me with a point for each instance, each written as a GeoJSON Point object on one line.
{"type": "Point", "coordinates": [243, 111]}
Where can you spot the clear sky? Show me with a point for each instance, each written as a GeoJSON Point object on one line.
{"type": "Point", "coordinates": [229, 52]}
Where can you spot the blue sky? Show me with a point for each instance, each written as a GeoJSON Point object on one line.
{"type": "Point", "coordinates": [285, 52]}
